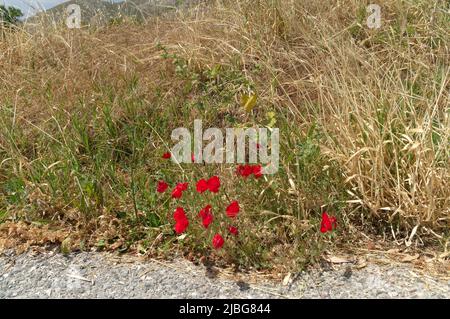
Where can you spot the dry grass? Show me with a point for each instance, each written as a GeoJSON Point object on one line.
{"type": "Point", "coordinates": [363, 113]}
{"type": "Point", "coordinates": [380, 98]}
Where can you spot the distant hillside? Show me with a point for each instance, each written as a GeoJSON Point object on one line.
{"type": "Point", "coordinates": [98, 11]}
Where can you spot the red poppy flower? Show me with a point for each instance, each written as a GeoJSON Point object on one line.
{"type": "Point", "coordinates": [218, 241]}
{"type": "Point", "coordinates": [244, 170]}
{"type": "Point", "coordinates": [177, 192]}
{"type": "Point", "coordinates": [233, 209]}
{"type": "Point", "coordinates": [207, 220]}
{"type": "Point", "coordinates": [181, 221]}
{"type": "Point", "coordinates": [233, 230]}
{"type": "Point", "coordinates": [257, 171]}
{"type": "Point", "coordinates": [179, 189]}
{"type": "Point", "coordinates": [203, 213]}
{"type": "Point", "coordinates": [162, 187]}
{"type": "Point", "coordinates": [181, 226]}
{"type": "Point", "coordinates": [328, 223]}
{"type": "Point", "coordinates": [214, 184]}
{"type": "Point", "coordinates": [179, 214]}
{"type": "Point", "coordinates": [202, 186]}
{"type": "Point", "coordinates": [206, 215]}
{"type": "Point", "coordinates": [167, 155]}
{"type": "Point", "coordinates": [193, 158]}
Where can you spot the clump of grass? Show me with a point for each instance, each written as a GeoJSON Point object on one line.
{"type": "Point", "coordinates": [378, 98]}
{"type": "Point", "coordinates": [363, 115]}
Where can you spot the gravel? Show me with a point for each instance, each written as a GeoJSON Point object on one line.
{"type": "Point", "coordinates": [102, 275]}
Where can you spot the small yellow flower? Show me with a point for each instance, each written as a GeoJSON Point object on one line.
{"type": "Point", "coordinates": [248, 102]}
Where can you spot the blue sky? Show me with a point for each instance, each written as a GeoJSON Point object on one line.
{"type": "Point", "coordinates": [29, 7]}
